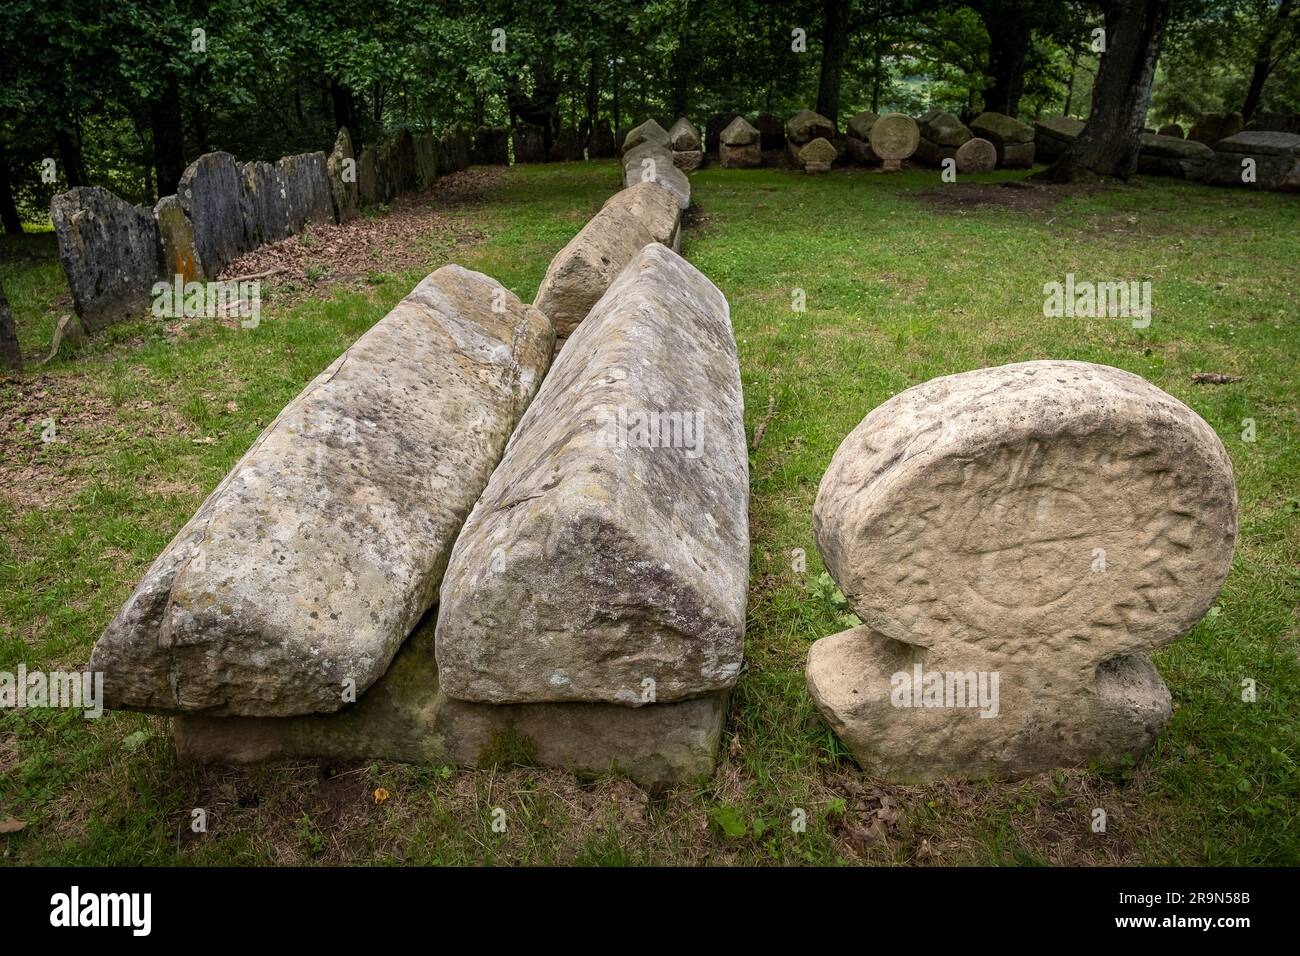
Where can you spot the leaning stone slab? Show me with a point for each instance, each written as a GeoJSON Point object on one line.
{"type": "Point", "coordinates": [1044, 525]}
{"type": "Point", "coordinates": [1001, 130]}
{"type": "Point", "coordinates": [651, 163]}
{"type": "Point", "coordinates": [368, 178]}
{"type": "Point", "coordinates": [307, 190]}
{"type": "Point", "coordinates": [211, 193]}
{"type": "Point", "coordinates": [585, 268]}
{"type": "Point", "coordinates": [608, 557]}
{"type": "Point", "coordinates": [684, 137]}
{"type": "Point", "coordinates": [647, 132]}
{"type": "Point", "coordinates": [11, 355]}
{"type": "Point", "coordinates": [301, 575]}
{"type": "Point", "coordinates": [109, 252]}
{"type": "Point", "coordinates": [177, 254]}
{"type": "Point", "coordinates": [530, 143]}
{"type": "Point", "coordinates": [426, 159]}
{"type": "Point", "coordinates": [341, 167]}
{"type": "Point", "coordinates": [1052, 137]}
{"type": "Point", "coordinates": [405, 717]}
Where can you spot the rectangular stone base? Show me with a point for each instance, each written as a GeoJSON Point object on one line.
{"type": "Point", "coordinates": [405, 718]}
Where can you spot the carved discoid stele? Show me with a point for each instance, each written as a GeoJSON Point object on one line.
{"type": "Point", "coordinates": [895, 136]}
{"type": "Point", "coordinates": [1032, 509]}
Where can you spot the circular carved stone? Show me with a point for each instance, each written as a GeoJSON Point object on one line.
{"type": "Point", "coordinates": [1053, 513]}
{"type": "Point", "coordinates": [976, 156]}
{"type": "Point", "coordinates": [894, 136]}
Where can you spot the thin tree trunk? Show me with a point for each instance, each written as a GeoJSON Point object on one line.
{"type": "Point", "coordinates": [13, 223]}
{"type": "Point", "coordinates": [1108, 145]}
{"type": "Point", "coordinates": [1069, 86]}
{"type": "Point", "coordinates": [168, 139]}
{"type": "Point", "coordinates": [1264, 61]}
{"type": "Point", "coordinates": [834, 41]}
{"type": "Point", "coordinates": [1009, 45]}
{"type": "Point", "coordinates": [70, 158]}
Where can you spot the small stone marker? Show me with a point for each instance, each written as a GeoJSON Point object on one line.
{"type": "Point", "coordinates": [647, 132]}
{"type": "Point", "coordinates": [739, 146]}
{"type": "Point", "coordinates": [817, 156]}
{"type": "Point", "coordinates": [1015, 540]}
{"type": "Point", "coordinates": [176, 241]}
{"type": "Point", "coordinates": [894, 137]}
{"type": "Point", "coordinates": [976, 155]}
{"type": "Point", "coordinates": [304, 571]}
{"type": "Point", "coordinates": [611, 546]}
{"type": "Point", "coordinates": [109, 252]}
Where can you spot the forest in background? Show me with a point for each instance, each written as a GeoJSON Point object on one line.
{"type": "Point", "coordinates": [125, 93]}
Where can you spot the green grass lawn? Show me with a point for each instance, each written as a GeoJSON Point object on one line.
{"type": "Point", "coordinates": [904, 278]}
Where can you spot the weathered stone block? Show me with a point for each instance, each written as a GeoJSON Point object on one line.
{"type": "Point", "coordinates": [265, 201]}
{"type": "Point", "coordinates": [530, 144]}
{"type": "Point", "coordinates": [609, 555]}
{"type": "Point", "coordinates": [307, 567]}
{"type": "Point", "coordinates": [405, 717]}
{"type": "Point", "coordinates": [491, 146]}
{"type": "Point", "coordinates": [647, 132]}
{"type": "Point", "coordinates": [688, 160]}
{"type": "Point", "coordinates": [109, 252]}
{"type": "Point", "coordinates": [943, 129]}
{"type": "Point", "coordinates": [976, 156]}
{"type": "Point", "coordinates": [649, 162]}
{"type": "Point", "coordinates": [817, 156]}
{"type": "Point", "coordinates": [806, 126]}
{"type": "Point", "coordinates": [684, 137]}
{"type": "Point", "coordinates": [894, 138]}
{"type": "Point", "coordinates": [585, 268]}
{"type": "Point", "coordinates": [1015, 155]}
{"type": "Point", "coordinates": [1001, 130]}
{"type": "Point", "coordinates": [1209, 128]}
{"type": "Point", "coordinates": [600, 144]}
{"type": "Point", "coordinates": [1052, 137]}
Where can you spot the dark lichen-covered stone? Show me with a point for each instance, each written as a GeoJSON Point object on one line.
{"type": "Point", "coordinates": [1052, 137]}
{"type": "Point", "coordinates": [265, 204]}
{"type": "Point", "coordinates": [600, 144]}
{"type": "Point", "coordinates": [310, 563]}
{"type": "Point", "coordinates": [806, 126]}
{"type": "Point", "coordinates": [405, 176]}
{"type": "Point", "coordinates": [426, 161]}
{"type": "Point", "coordinates": [530, 144]}
{"type": "Point", "coordinates": [307, 190]}
{"type": "Point", "coordinates": [341, 167]}
{"type": "Point", "coordinates": [491, 146]}
{"type": "Point", "coordinates": [368, 178]}
{"type": "Point", "coordinates": [11, 355]}
{"type": "Point", "coordinates": [109, 252]}
{"type": "Point", "coordinates": [405, 717]}
{"type": "Point", "coordinates": [211, 192]}
{"type": "Point", "coordinates": [176, 250]}
{"type": "Point", "coordinates": [602, 561]}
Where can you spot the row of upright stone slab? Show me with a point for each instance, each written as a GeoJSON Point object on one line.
{"type": "Point", "coordinates": [113, 252]}
{"type": "Point", "coordinates": [1016, 540]}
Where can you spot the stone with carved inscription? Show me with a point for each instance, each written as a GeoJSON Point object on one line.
{"type": "Point", "coordinates": [1015, 540]}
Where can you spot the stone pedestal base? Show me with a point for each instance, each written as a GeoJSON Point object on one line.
{"type": "Point", "coordinates": [406, 718]}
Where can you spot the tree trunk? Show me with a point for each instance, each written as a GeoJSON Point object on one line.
{"type": "Point", "coordinates": [168, 138]}
{"type": "Point", "coordinates": [592, 100]}
{"type": "Point", "coordinates": [70, 158]}
{"type": "Point", "coordinates": [1264, 60]}
{"type": "Point", "coordinates": [1069, 86]}
{"type": "Point", "coordinates": [13, 223]}
{"type": "Point", "coordinates": [834, 40]}
{"type": "Point", "coordinates": [877, 65]}
{"type": "Point", "coordinates": [1108, 145]}
{"type": "Point", "coordinates": [345, 109]}
{"type": "Point", "coordinates": [1010, 38]}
